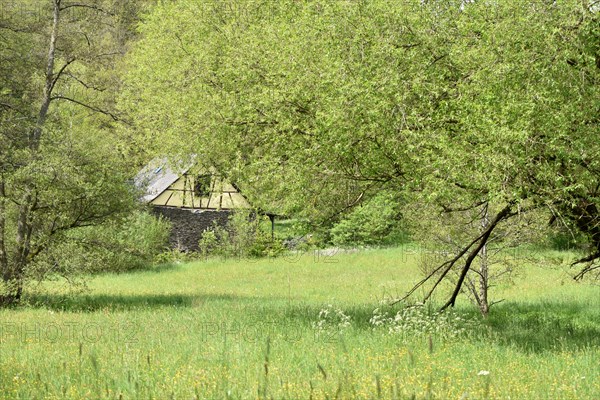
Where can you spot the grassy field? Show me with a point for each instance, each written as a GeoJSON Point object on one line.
{"type": "Point", "coordinates": [299, 327]}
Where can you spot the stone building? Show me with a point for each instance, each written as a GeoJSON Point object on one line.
{"type": "Point", "coordinates": [193, 199]}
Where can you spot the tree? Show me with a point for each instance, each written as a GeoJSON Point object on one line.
{"type": "Point", "coordinates": [322, 104]}
{"type": "Point", "coordinates": [60, 163]}
{"type": "Point", "coordinates": [533, 88]}
{"type": "Point", "coordinates": [445, 231]}
{"type": "Point", "coordinates": [376, 222]}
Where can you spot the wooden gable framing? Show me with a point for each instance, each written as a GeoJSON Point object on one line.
{"type": "Point", "coordinates": [205, 190]}
{"type": "Point", "coordinates": [186, 192]}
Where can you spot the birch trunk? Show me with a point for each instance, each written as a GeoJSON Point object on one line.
{"type": "Point", "coordinates": [15, 275]}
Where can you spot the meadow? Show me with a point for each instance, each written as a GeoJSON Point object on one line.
{"type": "Point", "coordinates": [301, 326]}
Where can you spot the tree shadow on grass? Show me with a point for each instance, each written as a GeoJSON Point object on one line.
{"type": "Point", "coordinates": [542, 327]}
{"type": "Point", "coordinates": [535, 328]}
{"type": "Point", "coordinates": [156, 268]}
{"type": "Point", "coordinates": [91, 303]}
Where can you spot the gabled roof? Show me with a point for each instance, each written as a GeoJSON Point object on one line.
{"type": "Point", "coordinates": [178, 185]}
{"type": "Point", "coordinates": [156, 177]}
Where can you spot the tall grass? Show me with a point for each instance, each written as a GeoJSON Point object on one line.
{"type": "Point", "coordinates": [299, 327]}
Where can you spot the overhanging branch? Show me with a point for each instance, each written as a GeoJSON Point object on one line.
{"type": "Point", "coordinates": [84, 84]}
{"type": "Point", "coordinates": [83, 5]}
{"type": "Point", "coordinates": [59, 73]}
{"type": "Point", "coordinates": [590, 259]}
{"type": "Point", "coordinates": [447, 265]}
{"type": "Point", "coordinates": [93, 108]}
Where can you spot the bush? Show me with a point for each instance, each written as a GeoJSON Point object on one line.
{"type": "Point", "coordinates": [246, 235]}
{"type": "Point", "coordinates": [562, 239]}
{"type": "Point", "coordinates": [130, 244]}
{"type": "Point", "coordinates": [141, 240]}
{"type": "Point", "coordinates": [377, 222]}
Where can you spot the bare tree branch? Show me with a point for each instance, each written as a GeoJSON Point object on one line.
{"type": "Point", "coordinates": [449, 209]}
{"type": "Point", "coordinates": [502, 215]}
{"type": "Point", "coordinates": [60, 72]}
{"type": "Point", "coordinates": [496, 302]}
{"type": "Point", "coordinates": [112, 53]}
{"type": "Point", "coordinates": [87, 86]}
{"type": "Point", "coordinates": [83, 5]}
{"type": "Point", "coordinates": [93, 108]}
{"type": "Point", "coordinates": [448, 264]}
{"type": "Point", "coordinates": [590, 259]}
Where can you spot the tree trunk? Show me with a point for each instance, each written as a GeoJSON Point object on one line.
{"type": "Point", "coordinates": [14, 276]}
{"type": "Point", "coordinates": [3, 255]}
{"type": "Point", "coordinates": [481, 241]}
{"type": "Point", "coordinates": [484, 306]}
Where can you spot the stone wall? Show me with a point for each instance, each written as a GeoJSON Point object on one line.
{"type": "Point", "coordinates": [188, 225]}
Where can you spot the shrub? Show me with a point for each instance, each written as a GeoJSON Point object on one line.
{"type": "Point", "coordinates": [377, 222]}
{"type": "Point", "coordinates": [130, 244]}
{"type": "Point", "coordinates": [563, 239]}
{"type": "Point", "coordinates": [246, 235]}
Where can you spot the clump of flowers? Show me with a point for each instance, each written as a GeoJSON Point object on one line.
{"type": "Point", "coordinates": [331, 317]}
{"type": "Point", "coordinates": [417, 321]}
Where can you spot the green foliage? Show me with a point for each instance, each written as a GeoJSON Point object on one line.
{"type": "Point", "coordinates": [115, 246]}
{"type": "Point", "coordinates": [80, 195]}
{"type": "Point", "coordinates": [333, 99]}
{"type": "Point", "coordinates": [63, 167]}
{"type": "Point", "coordinates": [247, 234]}
{"type": "Point", "coordinates": [377, 222]}
{"type": "Point", "coordinates": [290, 228]}
{"type": "Point", "coordinates": [210, 240]}
{"type": "Point", "coordinates": [134, 243]}
{"type": "Point", "coordinates": [565, 240]}
{"type": "Point", "coordinates": [315, 107]}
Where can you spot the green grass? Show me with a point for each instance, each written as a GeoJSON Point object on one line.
{"type": "Point", "coordinates": [246, 329]}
